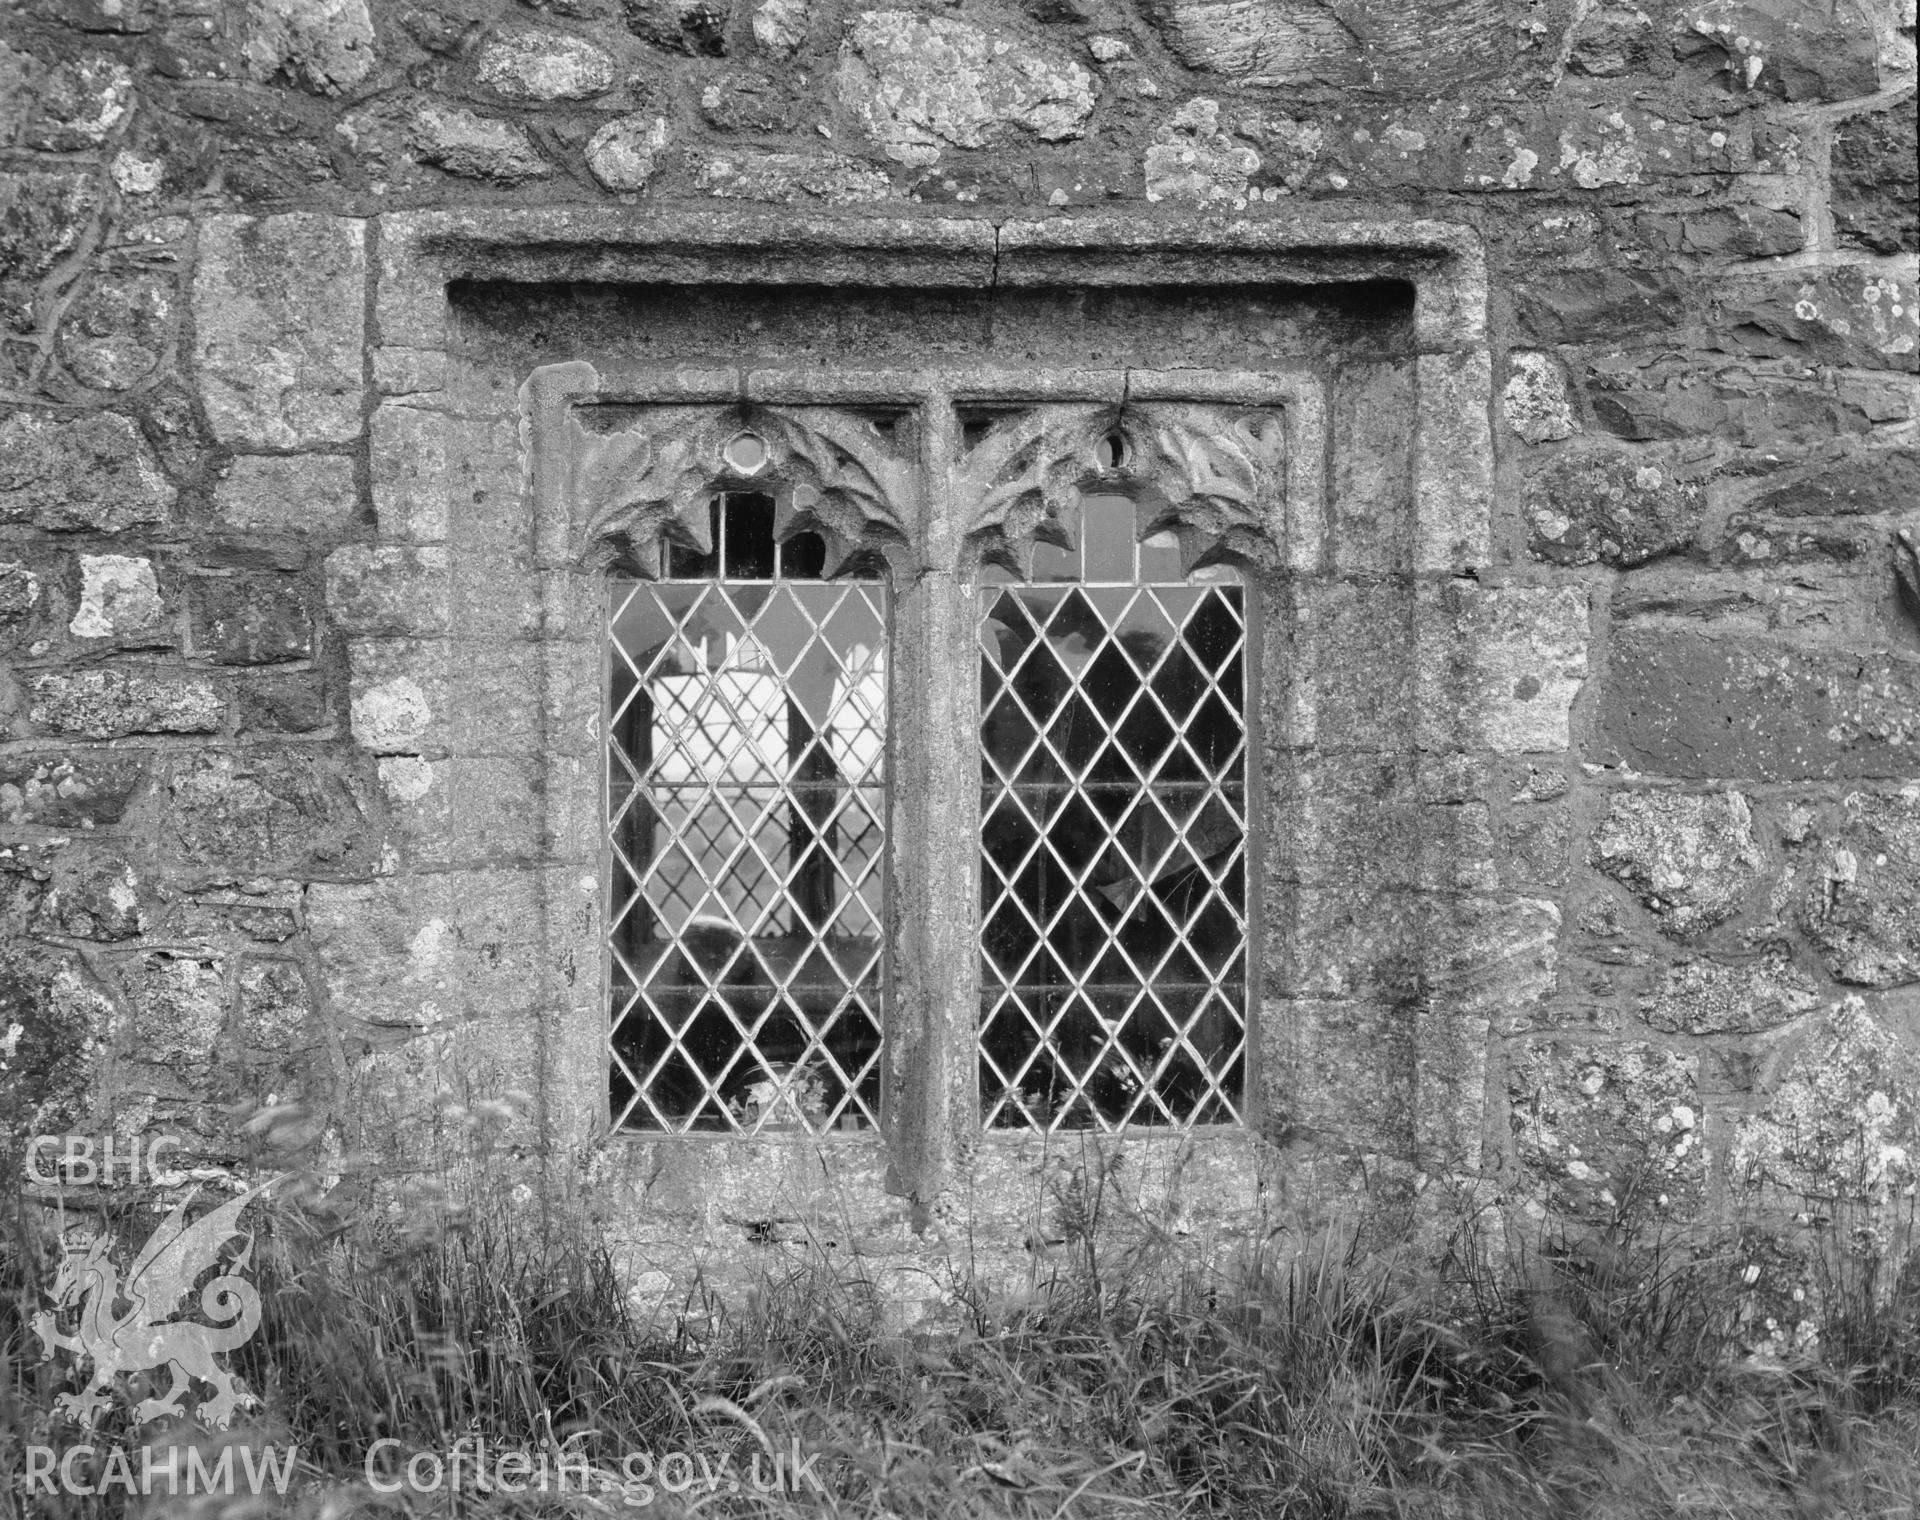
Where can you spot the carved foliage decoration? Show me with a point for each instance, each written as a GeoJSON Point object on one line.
{"type": "Point", "coordinates": [1214, 475]}
{"type": "Point", "coordinates": [1018, 478]}
{"type": "Point", "coordinates": [846, 475]}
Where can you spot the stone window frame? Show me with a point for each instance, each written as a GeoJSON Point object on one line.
{"type": "Point", "coordinates": [439, 414]}
{"type": "Point", "coordinates": [929, 1040]}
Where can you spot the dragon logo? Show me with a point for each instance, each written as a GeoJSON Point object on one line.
{"type": "Point", "coordinates": [145, 1335]}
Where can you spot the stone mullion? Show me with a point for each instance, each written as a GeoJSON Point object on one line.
{"type": "Point", "coordinates": [932, 1083]}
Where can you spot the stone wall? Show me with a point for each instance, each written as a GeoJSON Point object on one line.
{"type": "Point", "coordinates": [1681, 906]}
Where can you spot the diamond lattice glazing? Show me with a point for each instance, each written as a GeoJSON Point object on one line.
{"type": "Point", "coordinates": [1113, 872]}
{"type": "Point", "coordinates": [746, 808]}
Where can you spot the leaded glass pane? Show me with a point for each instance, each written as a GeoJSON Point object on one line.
{"type": "Point", "coordinates": [1114, 824]}
{"type": "Point", "coordinates": [746, 805]}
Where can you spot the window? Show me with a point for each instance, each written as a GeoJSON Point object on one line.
{"type": "Point", "coordinates": [751, 633]}
{"type": "Point", "coordinates": [746, 805]}
{"type": "Point", "coordinates": [1114, 826]}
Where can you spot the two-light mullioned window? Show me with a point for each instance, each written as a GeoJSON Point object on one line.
{"type": "Point", "coordinates": [748, 695]}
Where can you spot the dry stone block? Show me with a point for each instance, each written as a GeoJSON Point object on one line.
{"type": "Point", "coordinates": [249, 617]}
{"type": "Point", "coordinates": [829, 179]}
{"type": "Point", "coordinates": [1786, 48]}
{"type": "Point", "coordinates": [92, 472]}
{"type": "Point", "coordinates": [298, 493]}
{"type": "Point", "coordinates": [1424, 46]}
{"type": "Point", "coordinates": [1597, 305]}
{"type": "Point", "coordinates": [745, 101]}
{"type": "Point", "coordinates": [1842, 1118]}
{"type": "Point", "coordinates": [16, 97]}
{"type": "Point", "coordinates": [112, 703]}
{"type": "Point", "coordinates": [1535, 848]}
{"type": "Point", "coordinates": [263, 909]}
{"type": "Point", "coordinates": [1193, 160]}
{"type": "Point", "coordinates": [780, 26]}
{"type": "Point", "coordinates": [1607, 147]}
{"type": "Point", "coordinates": [1748, 542]}
{"type": "Point", "coordinates": [388, 591]}
{"type": "Point", "coordinates": [527, 63]}
{"type": "Point", "coordinates": [1453, 505]}
{"type": "Point", "coordinates": [1751, 232]}
{"type": "Point", "coordinates": [274, 1010]}
{"type": "Point", "coordinates": [477, 147]}
{"type": "Point", "coordinates": [1491, 959]}
{"type": "Point", "coordinates": [86, 790]}
{"type": "Point", "coordinates": [280, 1057]}
{"type": "Point", "coordinates": [1612, 506]}
{"type": "Point", "coordinates": [1690, 858]}
{"type": "Point", "coordinates": [1535, 400]}
{"type": "Point", "coordinates": [94, 896]}
{"type": "Point", "coordinates": [1690, 705]}
{"type": "Point", "coordinates": [461, 811]}
{"type": "Point", "coordinates": [687, 26]}
{"type": "Point", "coordinates": [58, 1025]}
{"type": "Point", "coordinates": [79, 105]}
{"type": "Point", "coordinates": [1703, 996]}
{"type": "Point", "coordinates": [420, 951]}
{"type": "Point", "coordinates": [1876, 180]}
{"type": "Point", "coordinates": [179, 1008]}
{"type": "Point", "coordinates": [1863, 316]}
{"type": "Point", "coordinates": [118, 596]}
{"type": "Point", "coordinates": [279, 316]}
{"type": "Point", "coordinates": [1860, 904]}
{"type": "Point", "coordinates": [118, 331]}
{"type": "Point", "coordinates": [410, 474]}
{"type": "Point", "coordinates": [43, 216]}
{"type": "Point", "coordinates": [103, 17]}
{"type": "Point", "coordinates": [294, 703]}
{"type": "Point", "coordinates": [1500, 668]}
{"type": "Point", "coordinates": [1880, 480]}
{"type": "Point", "coordinates": [1606, 1125]}
{"type": "Point", "coordinates": [623, 154]}
{"type": "Point", "coordinates": [398, 696]}
{"type": "Point", "coordinates": [267, 812]}
{"type": "Point", "coordinates": [1261, 42]}
{"type": "Point", "coordinates": [1777, 408]}
{"type": "Point", "coordinates": [325, 46]}
{"type": "Point", "coordinates": [920, 84]}
{"type": "Point", "coordinates": [25, 869]}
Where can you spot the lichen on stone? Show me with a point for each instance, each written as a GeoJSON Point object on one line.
{"type": "Point", "coordinates": [1610, 1127]}
{"type": "Point", "coordinates": [1690, 857]}
{"type": "Point", "coordinates": [1841, 1121]}
{"type": "Point", "coordinates": [1193, 160]}
{"type": "Point", "coordinates": [118, 595]}
{"type": "Point", "coordinates": [921, 84]}
{"type": "Point", "coordinates": [1535, 399]}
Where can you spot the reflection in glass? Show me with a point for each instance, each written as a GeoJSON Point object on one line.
{"type": "Point", "coordinates": [1113, 877]}
{"type": "Point", "coordinates": [747, 733]}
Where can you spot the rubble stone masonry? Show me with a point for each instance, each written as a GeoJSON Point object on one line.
{"type": "Point", "coordinates": [1591, 695]}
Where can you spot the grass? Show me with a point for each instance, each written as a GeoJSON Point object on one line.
{"type": "Point", "coordinates": [1604, 1375]}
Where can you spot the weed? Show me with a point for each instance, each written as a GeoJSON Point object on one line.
{"type": "Point", "coordinates": [1601, 1373]}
